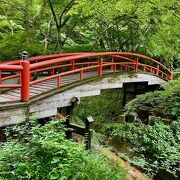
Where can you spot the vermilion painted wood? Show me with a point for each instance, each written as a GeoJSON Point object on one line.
{"type": "Point", "coordinates": [87, 55]}
{"type": "Point", "coordinates": [6, 67]}
{"type": "Point", "coordinates": [122, 57]}
{"type": "Point", "coordinates": [10, 86]}
{"type": "Point", "coordinates": [25, 80]}
{"type": "Point", "coordinates": [40, 58]}
{"type": "Point", "coordinates": [62, 74]}
{"type": "Point", "coordinates": [10, 77]}
{"type": "Point", "coordinates": [0, 77]}
{"type": "Point", "coordinates": [71, 65]}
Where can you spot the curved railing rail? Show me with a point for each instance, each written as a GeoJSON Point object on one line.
{"type": "Point", "coordinates": [59, 65]}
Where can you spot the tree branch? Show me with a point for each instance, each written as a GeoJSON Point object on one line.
{"type": "Point", "coordinates": [54, 14]}
{"type": "Point", "coordinates": [67, 8]}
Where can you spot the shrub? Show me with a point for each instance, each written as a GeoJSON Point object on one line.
{"type": "Point", "coordinates": [157, 146]}
{"type": "Point", "coordinates": [48, 155]}
{"type": "Point", "coordinates": [165, 104]}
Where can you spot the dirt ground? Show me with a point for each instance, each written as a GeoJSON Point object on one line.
{"type": "Point", "coordinates": [132, 172]}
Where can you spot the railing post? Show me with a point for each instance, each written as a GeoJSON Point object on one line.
{"type": "Point", "coordinates": [72, 64]}
{"type": "Point", "coordinates": [144, 68]}
{"type": "Point", "coordinates": [171, 76]}
{"type": "Point", "coordinates": [100, 62]}
{"type": "Point", "coordinates": [157, 70]}
{"type": "Point", "coordinates": [162, 75]}
{"type": "Point", "coordinates": [111, 66]}
{"type": "Point", "coordinates": [58, 81]}
{"type": "Point", "coordinates": [136, 66]}
{"type": "Point", "coordinates": [125, 67]}
{"type": "Point", "coordinates": [52, 71]}
{"type": "Point", "coordinates": [114, 68]}
{"type": "Point", "coordinates": [151, 70]}
{"type": "Point", "coordinates": [0, 77]}
{"type": "Point", "coordinates": [120, 67]}
{"type": "Point", "coordinates": [25, 77]}
{"type": "Point", "coordinates": [88, 133]}
{"type": "Point", "coordinates": [81, 74]}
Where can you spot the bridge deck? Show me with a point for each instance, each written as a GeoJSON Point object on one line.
{"type": "Point", "coordinates": [45, 86]}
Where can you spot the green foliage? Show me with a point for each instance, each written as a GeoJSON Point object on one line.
{"type": "Point", "coordinates": [21, 132]}
{"type": "Point", "coordinates": [48, 155]}
{"type": "Point", "coordinates": [155, 149]}
{"type": "Point", "coordinates": [103, 108]}
{"type": "Point", "coordinates": [157, 146]}
{"type": "Point", "coordinates": [176, 72]}
{"type": "Point", "coordinates": [164, 104]}
{"type": "Point", "coordinates": [147, 27]}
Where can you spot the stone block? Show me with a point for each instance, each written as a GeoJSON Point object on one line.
{"type": "Point", "coordinates": [44, 114]}
{"type": "Point", "coordinates": [122, 118]}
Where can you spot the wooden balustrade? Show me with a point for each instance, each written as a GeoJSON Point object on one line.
{"type": "Point", "coordinates": [24, 69]}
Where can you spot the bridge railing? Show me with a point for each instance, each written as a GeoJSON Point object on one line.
{"type": "Point", "coordinates": [61, 65]}
{"type": "Point", "coordinates": [23, 72]}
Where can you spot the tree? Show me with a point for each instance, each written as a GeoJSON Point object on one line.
{"type": "Point", "coordinates": [148, 27]}
{"type": "Point", "coordinates": [62, 20]}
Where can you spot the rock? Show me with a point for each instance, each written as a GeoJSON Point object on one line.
{"type": "Point", "coordinates": [122, 118]}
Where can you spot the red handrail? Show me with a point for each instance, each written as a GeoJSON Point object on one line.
{"type": "Point", "coordinates": [76, 63]}
{"type": "Point", "coordinates": [40, 58]}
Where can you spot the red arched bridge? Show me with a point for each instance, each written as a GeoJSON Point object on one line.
{"type": "Point", "coordinates": [21, 80]}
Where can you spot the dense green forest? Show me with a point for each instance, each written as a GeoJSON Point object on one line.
{"type": "Point", "coordinates": [151, 142]}
{"type": "Point", "coordinates": [53, 26]}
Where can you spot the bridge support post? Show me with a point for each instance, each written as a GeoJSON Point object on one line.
{"type": "Point", "coordinates": [88, 132]}
{"type": "Point", "coordinates": [100, 67]}
{"type": "Point", "coordinates": [124, 96]}
{"type": "Point", "coordinates": [69, 131]}
{"type": "Point", "coordinates": [25, 77]}
{"type": "Point", "coordinates": [69, 112]}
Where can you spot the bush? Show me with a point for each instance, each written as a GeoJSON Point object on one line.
{"type": "Point", "coordinates": [165, 104]}
{"type": "Point", "coordinates": [46, 154]}
{"type": "Point", "coordinates": [157, 146]}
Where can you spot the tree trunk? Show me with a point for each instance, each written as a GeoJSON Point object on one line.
{"type": "Point", "coordinates": [47, 35]}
